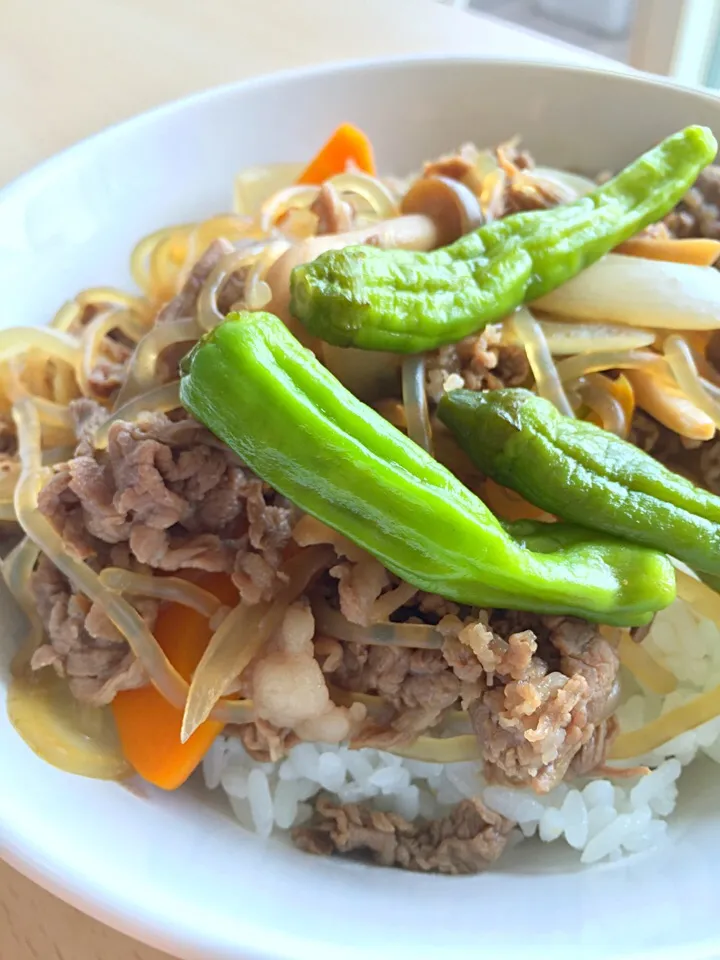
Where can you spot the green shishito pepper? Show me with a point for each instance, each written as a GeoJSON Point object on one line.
{"type": "Point", "coordinates": [271, 401]}
{"type": "Point", "coordinates": [584, 474]}
{"type": "Point", "coordinates": [407, 302]}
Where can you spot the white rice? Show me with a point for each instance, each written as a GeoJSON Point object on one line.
{"type": "Point", "coordinates": [600, 819]}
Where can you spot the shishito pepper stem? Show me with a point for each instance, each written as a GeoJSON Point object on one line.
{"type": "Point", "coordinates": [295, 425]}
{"type": "Point", "coordinates": [408, 302]}
{"type": "Point", "coordinates": [584, 474]}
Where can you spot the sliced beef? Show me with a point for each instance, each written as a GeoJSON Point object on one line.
{"type": "Point", "coordinates": [334, 214]}
{"type": "Point", "coordinates": [466, 841]}
{"type": "Point", "coordinates": [82, 643]}
{"type": "Point", "coordinates": [699, 461]}
{"type": "Point", "coordinates": [479, 362]}
{"type": "Point", "coordinates": [164, 496]}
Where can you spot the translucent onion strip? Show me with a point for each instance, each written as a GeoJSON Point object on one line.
{"type": "Point", "coordinates": [547, 381]}
{"type": "Point", "coordinates": [564, 338]}
{"type": "Point", "coordinates": [241, 636]}
{"type": "Point", "coordinates": [17, 568]}
{"type": "Point", "coordinates": [601, 401]}
{"type": "Point", "coordinates": [141, 370]}
{"type": "Point", "coordinates": [279, 203]}
{"type": "Point", "coordinates": [668, 404]}
{"type": "Point", "coordinates": [440, 749]}
{"type": "Point", "coordinates": [679, 356]}
{"type": "Point", "coordinates": [55, 343]}
{"type": "Point", "coordinates": [208, 314]}
{"type": "Point", "coordinates": [161, 400]}
{"type": "Point", "coordinates": [92, 342]}
{"type": "Point", "coordinates": [641, 293]}
{"type": "Point", "coordinates": [420, 636]}
{"type": "Point", "coordinates": [172, 589]}
{"type": "Point", "coordinates": [575, 367]}
{"type": "Point", "coordinates": [254, 185]}
{"type": "Point", "coordinates": [646, 670]}
{"type": "Point", "coordinates": [415, 401]}
{"type": "Point", "coordinates": [637, 743]}
{"type": "Point", "coordinates": [378, 197]}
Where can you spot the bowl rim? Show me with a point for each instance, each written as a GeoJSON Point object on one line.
{"type": "Point", "coordinates": [90, 894]}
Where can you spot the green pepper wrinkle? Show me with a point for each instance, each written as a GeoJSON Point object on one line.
{"type": "Point", "coordinates": [584, 474]}
{"type": "Point", "coordinates": [407, 302]}
{"type": "Point", "coordinates": [284, 414]}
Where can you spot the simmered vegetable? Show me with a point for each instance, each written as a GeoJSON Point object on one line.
{"type": "Point", "coordinates": [584, 474]}
{"type": "Point", "coordinates": [409, 302]}
{"type": "Point", "coordinates": [293, 423]}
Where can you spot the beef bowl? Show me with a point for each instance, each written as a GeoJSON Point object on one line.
{"type": "Point", "coordinates": [360, 485]}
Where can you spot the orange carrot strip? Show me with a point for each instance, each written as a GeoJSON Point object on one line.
{"type": "Point", "coordinates": [148, 726]}
{"type": "Point", "coordinates": [347, 147]}
{"type": "Point", "coordinates": [700, 252]}
{"type": "Point", "coordinates": [508, 504]}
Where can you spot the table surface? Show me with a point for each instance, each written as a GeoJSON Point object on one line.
{"type": "Point", "coordinates": [68, 68]}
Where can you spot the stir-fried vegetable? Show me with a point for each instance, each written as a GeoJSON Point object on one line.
{"type": "Point", "coordinates": [148, 726]}
{"type": "Point", "coordinates": [347, 149]}
{"type": "Point", "coordinates": [640, 293]}
{"type": "Point", "coordinates": [408, 302]}
{"type": "Point", "coordinates": [582, 473]}
{"type": "Point", "coordinates": [701, 252]}
{"type": "Point", "coordinates": [286, 416]}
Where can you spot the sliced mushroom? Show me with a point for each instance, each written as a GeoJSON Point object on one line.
{"type": "Point", "coordinates": [453, 208]}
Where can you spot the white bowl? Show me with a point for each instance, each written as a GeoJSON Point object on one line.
{"type": "Point", "coordinates": [175, 870]}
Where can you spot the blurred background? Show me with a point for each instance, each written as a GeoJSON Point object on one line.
{"type": "Point", "coordinates": [678, 38]}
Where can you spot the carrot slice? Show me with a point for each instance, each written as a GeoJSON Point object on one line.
{"type": "Point", "coordinates": [148, 726]}
{"type": "Point", "coordinates": [700, 252]}
{"type": "Point", "coordinates": [508, 504]}
{"type": "Point", "coordinates": [347, 147]}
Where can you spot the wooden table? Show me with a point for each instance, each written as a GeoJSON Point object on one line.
{"type": "Point", "coordinates": [71, 67]}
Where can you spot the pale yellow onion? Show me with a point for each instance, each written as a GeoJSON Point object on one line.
{"type": "Point", "coordinates": [415, 401]}
{"type": "Point", "coordinates": [52, 342]}
{"type": "Point", "coordinates": [241, 636]}
{"type": "Point", "coordinates": [679, 356]}
{"type": "Point", "coordinates": [254, 185]}
{"type": "Point", "coordinates": [568, 337]}
{"type": "Point", "coordinates": [208, 314]}
{"type": "Point", "coordinates": [160, 399]}
{"type": "Point", "coordinates": [547, 382]}
{"type": "Point", "coordinates": [279, 203]}
{"type": "Point", "coordinates": [378, 197]}
{"type": "Point", "coordinates": [369, 374]}
{"type": "Point", "coordinates": [688, 716]}
{"type": "Point", "coordinates": [440, 749]}
{"type": "Point", "coordinates": [171, 589]}
{"type": "Point", "coordinates": [17, 569]}
{"type": "Point", "coordinates": [573, 368]}
{"type": "Point", "coordinates": [639, 292]}
{"type": "Point", "coordinates": [574, 183]}
{"type": "Point", "coordinates": [142, 252]}
{"type": "Point", "coordinates": [142, 366]}
{"type": "Point", "coordinates": [593, 394]}
{"type": "Point", "coordinates": [419, 636]}
{"type": "Point", "coordinates": [643, 666]}
{"type": "Point", "coordinates": [387, 603]}
{"type": "Point", "coordinates": [67, 316]}
{"type": "Point", "coordinates": [668, 404]}
{"type": "Point", "coordinates": [109, 296]}
{"type": "Point", "coordinates": [62, 731]}
{"type": "Point", "coordinates": [92, 340]}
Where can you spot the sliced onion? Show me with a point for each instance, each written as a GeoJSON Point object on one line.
{"type": "Point", "coordinates": [643, 666]}
{"type": "Point", "coordinates": [376, 706]}
{"type": "Point", "coordinates": [52, 342]}
{"type": "Point", "coordinates": [143, 250]}
{"type": "Point", "coordinates": [241, 636]}
{"type": "Point", "coordinates": [379, 198]}
{"type": "Point", "coordinates": [698, 595]}
{"type": "Point", "coordinates": [680, 358]}
{"type": "Point", "coordinates": [254, 185]}
{"type": "Point", "coordinates": [601, 401]}
{"type": "Point", "coordinates": [17, 569]}
{"type": "Point", "coordinates": [415, 401]}
{"type": "Point", "coordinates": [142, 367]}
{"type": "Point", "coordinates": [440, 749]}
{"type": "Point", "coordinates": [66, 733]}
{"type": "Point", "coordinates": [640, 293]}
{"type": "Point", "coordinates": [580, 366]}
{"type": "Point", "coordinates": [420, 636]}
{"type": "Point", "coordinates": [573, 183]}
{"type": "Point", "coordinates": [67, 316]}
{"type": "Point", "coordinates": [208, 314]}
{"type": "Point", "coordinates": [669, 405]}
{"type": "Point", "coordinates": [161, 400]}
{"type": "Point", "coordinates": [280, 202]}
{"type": "Point", "coordinates": [564, 338]}
{"type": "Point", "coordinates": [369, 374]}
{"type": "Point", "coordinates": [172, 589]}
{"type": "Point", "coordinates": [389, 602]}
{"type": "Point", "coordinates": [547, 381]}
